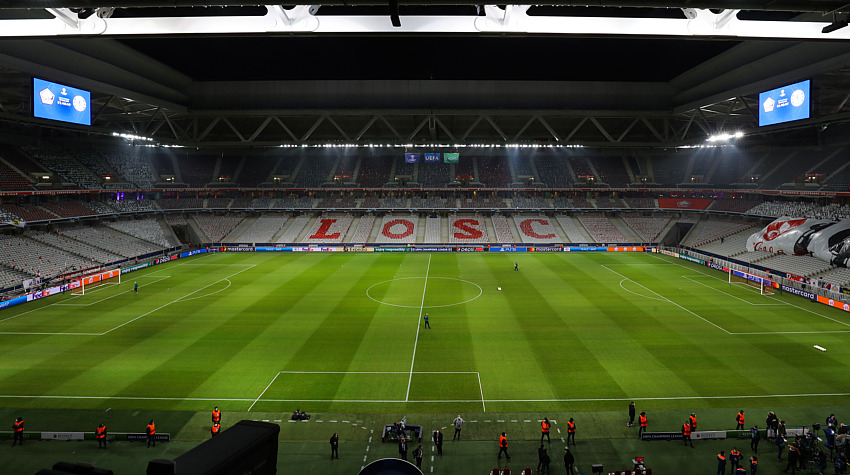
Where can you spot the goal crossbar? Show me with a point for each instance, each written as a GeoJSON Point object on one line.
{"type": "Point", "coordinates": [764, 284]}
{"type": "Point", "coordinates": [79, 286]}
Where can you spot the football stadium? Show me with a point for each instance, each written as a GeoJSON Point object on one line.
{"type": "Point", "coordinates": [424, 237]}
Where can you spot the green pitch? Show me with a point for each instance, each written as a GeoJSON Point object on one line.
{"type": "Point", "coordinates": [343, 333]}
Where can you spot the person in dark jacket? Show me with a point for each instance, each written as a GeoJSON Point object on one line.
{"type": "Point", "coordinates": [569, 460]}
{"type": "Point", "coordinates": [334, 446]}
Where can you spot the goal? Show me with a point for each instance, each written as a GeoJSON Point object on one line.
{"type": "Point", "coordinates": [89, 282]}
{"type": "Point", "coordinates": [764, 284]}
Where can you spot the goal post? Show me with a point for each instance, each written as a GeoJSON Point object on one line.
{"type": "Point", "coordinates": [89, 282]}
{"type": "Point", "coordinates": [764, 284]}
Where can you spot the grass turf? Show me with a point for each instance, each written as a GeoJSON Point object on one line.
{"type": "Point", "coordinates": [341, 334]}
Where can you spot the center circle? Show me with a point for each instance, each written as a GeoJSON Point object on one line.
{"type": "Point", "coordinates": [405, 287]}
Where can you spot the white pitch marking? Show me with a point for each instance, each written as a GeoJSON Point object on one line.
{"type": "Point", "coordinates": [418, 326]}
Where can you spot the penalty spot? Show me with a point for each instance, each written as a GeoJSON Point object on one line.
{"type": "Point", "coordinates": [820, 347]}
{"type": "Point", "coordinates": [498, 288]}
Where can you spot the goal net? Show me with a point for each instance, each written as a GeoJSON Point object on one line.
{"type": "Point", "coordinates": [763, 284]}
{"type": "Point", "coordinates": [90, 282]}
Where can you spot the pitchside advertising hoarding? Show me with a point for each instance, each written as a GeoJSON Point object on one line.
{"type": "Point", "coordinates": [56, 101]}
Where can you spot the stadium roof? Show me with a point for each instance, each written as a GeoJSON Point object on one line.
{"type": "Point", "coordinates": [622, 74]}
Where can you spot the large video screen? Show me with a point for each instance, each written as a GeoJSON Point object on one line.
{"type": "Point", "coordinates": [785, 104]}
{"type": "Point", "coordinates": [60, 102]}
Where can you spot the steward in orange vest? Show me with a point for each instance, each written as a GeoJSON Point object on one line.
{"type": "Point", "coordinates": [216, 428]}
{"type": "Point", "coordinates": [216, 415]}
{"type": "Point", "coordinates": [571, 431]}
{"type": "Point", "coordinates": [503, 446]}
{"type": "Point", "coordinates": [544, 427]}
{"type": "Point", "coordinates": [693, 420]}
{"type": "Point", "coordinates": [740, 419]}
{"type": "Point", "coordinates": [100, 435]}
{"type": "Point", "coordinates": [150, 430]}
{"type": "Point", "coordinates": [686, 433]}
{"type": "Point", "coordinates": [18, 431]}
{"type": "Point", "coordinates": [642, 422]}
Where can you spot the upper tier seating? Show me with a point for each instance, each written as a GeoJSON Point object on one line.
{"type": "Point", "coordinates": [131, 206]}
{"type": "Point", "coordinates": [70, 209]}
{"type": "Point", "coordinates": [782, 208]}
{"type": "Point", "coordinates": [181, 203]}
{"type": "Point", "coordinates": [294, 202]}
{"type": "Point", "coordinates": [66, 165]}
{"type": "Point", "coordinates": [11, 180]}
{"type": "Point", "coordinates": [133, 168]}
{"type": "Point", "coordinates": [28, 212]}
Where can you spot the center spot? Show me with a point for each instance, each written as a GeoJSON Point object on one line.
{"type": "Point", "coordinates": [407, 292]}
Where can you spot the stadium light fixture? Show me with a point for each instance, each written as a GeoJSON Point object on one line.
{"type": "Point", "coordinates": [725, 137]}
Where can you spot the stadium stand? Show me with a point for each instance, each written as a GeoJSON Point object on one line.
{"type": "Point", "coordinates": [713, 229]}
{"type": "Point", "coordinates": [130, 205]}
{"type": "Point", "coordinates": [605, 202]}
{"type": "Point", "coordinates": [600, 228]}
{"type": "Point", "coordinates": [461, 235]}
{"type": "Point", "coordinates": [338, 201]}
{"type": "Point", "coordinates": [70, 209]}
{"type": "Point", "coordinates": [196, 170]}
{"type": "Point", "coordinates": [315, 171]}
{"type": "Point", "coordinates": [66, 165]}
{"type": "Point", "coordinates": [669, 170]}
{"type": "Point", "coordinates": [734, 205]}
{"type": "Point", "coordinates": [180, 203]}
{"type": "Point", "coordinates": [294, 202]}
{"type": "Point", "coordinates": [539, 231]}
{"type": "Point", "coordinates": [553, 170]}
{"type": "Point", "coordinates": [287, 165]}
{"type": "Point", "coordinates": [806, 266]}
{"type": "Point", "coordinates": [255, 170]}
{"type": "Point", "coordinates": [216, 227]}
{"type": "Point", "coordinates": [528, 202]}
{"type": "Point", "coordinates": [375, 171]}
{"type": "Point", "coordinates": [522, 166]}
{"type": "Point", "coordinates": [10, 277]}
{"type": "Point", "coordinates": [494, 172]}
{"type": "Point", "coordinates": [28, 212]}
{"type": "Point", "coordinates": [838, 276]}
{"type": "Point", "coordinates": [11, 180]}
{"type": "Point", "coordinates": [398, 229]}
{"type": "Point", "coordinates": [434, 175]}
{"type": "Point", "coordinates": [347, 165]}
{"type": "Point", "coordinates": [73, 246]}
{"type": "Point", "coordinates": [100, 207]}
{"type": "Point", "coordinates": [339, 224]}
{"type": "Point", "coordinates": [242, 203]}
{"type": "Point", "coordinates": [479, 201]}
{"type": "Point", "coordinates": [146, 229]}
{"type": "Point", "coordinates": [649, 228]}
{"type": "Point", "coordinates": [582, 202]}
{"type": "Point", "coordinates": [833, 211]}
{"type": "Point", "coordinates": [36, 259]}
{"type": "Point", "coordinates": [466, 167]}
{"type": "Point", "coordinates": [263, 202]}
{"type": "Point", "coordinates": [433, 230]}
{"type": "Point", "coordinates": [110, 241]}
{"type": "Point", "coordinates": [364, 229]}
{"type": "Point", "coordinates": [783, 208]}
{"type": "Point", "coordinates": [403, 168]}
{"type": "Point", "coordinates": [294, 230]}
{"type": "Point", "coordinates": [161, 163]}
{"type": "Point", "coordinates": [612, 171]}
{"type": "Point", "coordinates": [430, 202]}
{"type": "Point", "coordinates": [581, 167]}
{"type": "Point", "coordinates": [175, 219]}
{"type": "Point", "coordinates": [227, 169]}
{"type": "Point", "coordinates": [264, 228]}
{"type": "Point", "coordinates": [642, 203]}
{"type": "Point", "coordinates": [570, 228]}
{"type": "Point", "coordinates": [133, 168]}
{"type": "Point", "coordinates": [218, 202]}
{"type": "Point", "coordinates": [503, 230]}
